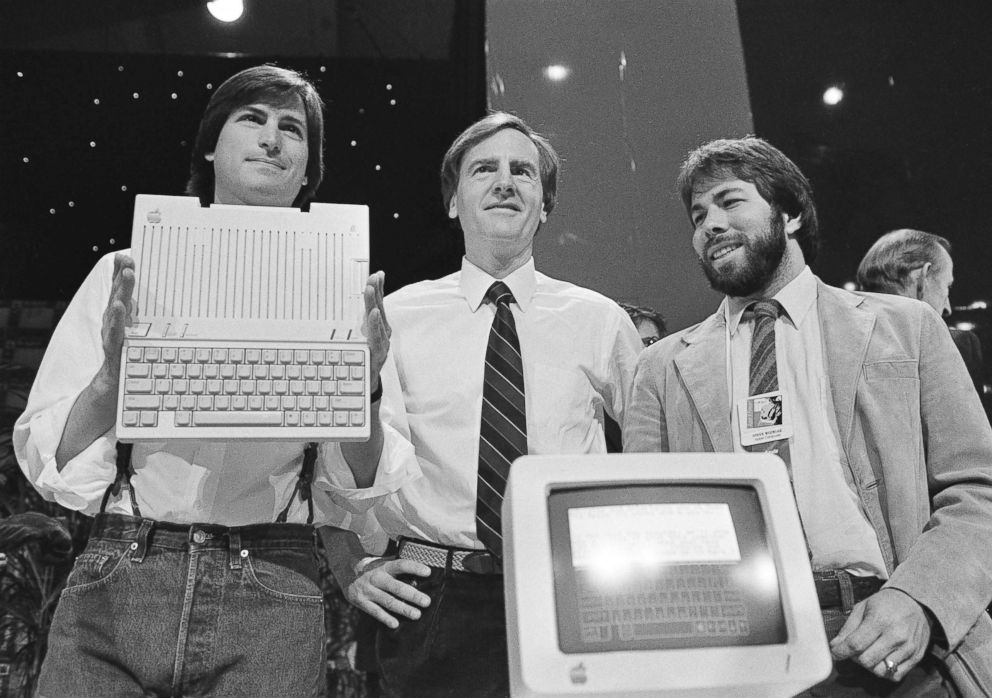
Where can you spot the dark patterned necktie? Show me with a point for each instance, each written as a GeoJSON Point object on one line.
{"type": "Point", "coordinates": [764, 369]}
{"type": "Point", "coordinates": [503, 431]}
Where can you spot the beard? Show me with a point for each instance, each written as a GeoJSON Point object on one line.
{"type": "Point", "coordinates": [762, 256]}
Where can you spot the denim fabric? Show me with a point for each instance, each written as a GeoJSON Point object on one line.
{"type": "Point", "coordinates": [156, 609]}
{"type": "Point", "coordinates": [458, 646]}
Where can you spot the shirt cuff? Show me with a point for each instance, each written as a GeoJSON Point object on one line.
{"type": "Point", "coordinates": [397, 466]}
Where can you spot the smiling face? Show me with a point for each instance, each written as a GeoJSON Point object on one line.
{"type": "Point", "coordinates": [498, 200]}
{"type": "Point", "coordinates": [261, 155]}
{"type": "Point", "coordinates": [741, 240]}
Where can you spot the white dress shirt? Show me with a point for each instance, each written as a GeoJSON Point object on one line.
{"type": "Point", "coordinates": [227, 483]}
{"type": "Point", "coordinates": [579, 350]}
{"type": "Point", "coordinates": [837, 530]}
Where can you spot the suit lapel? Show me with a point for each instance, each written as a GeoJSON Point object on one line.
{"type": "Point", "coordinates": [846, 331]}
{"type": "Point", "coordinates": [702, 366]}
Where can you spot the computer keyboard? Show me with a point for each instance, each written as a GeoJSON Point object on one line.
{"type": "Point", "coordinates": [684, 601]}
{"type": "Point", "coordinates": [184, 387]}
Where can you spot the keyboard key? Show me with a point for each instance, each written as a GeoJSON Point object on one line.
{"type": "Point", "coordinates": [280, 387]}
{"type": "Point", "coordinates": [239, 402]}
{"type": "Point", "coordinates": [264, 387]}
{"type": "Point", "coordinates": [321, 402]}
{"type": "Point", "coordinates": [324, 419]}
{"type": "Point", "coordinates": [236, 419]}
{"type": "Point", "coordinates": [341, 373]}
{"type": "Point", "coordinates": [138, 370]}
{"type": "Point", "coordinates": [301, 356]}
{"type": "Point", "coordinates": [255, 402]}
{"type": "Point", "coordinates": [169, 354]}
{"type": "Point", "coordinates": [357, 373]}
{"type": "Point", "coordinates": [340, 419]}
{"type": "Point", "coordinates": [138, 385]}
{"type": "Point", "coordinates": [183, 419]}
{"type": "Point", "coordinates": [170, 402]}
{"type": "Point", "coordinates": [219, 356]}
{"type": "Point", "coordinates": [237, 356]}
{"type": "Point", "coordinates": [210, 371]}
{"type": "Point", "coordinates": [269, 356]}
{"type": "Point", "coordinates": [353, 357]}
{"type": "Point", "coordinates": [351, 387]}
{"type": "Point", "coordinates": [271, 402]}
{"type": "Point", "coordinates": [142, 402]}
{"type": "Point", "coordinates": [244, 371]}
{"type": "Point", "coordinates": [227, 371]}
{"type": "Point", "coordinates": [253, 356]}
{"type": "Point", "coordinates": [204, 402]}
{"type": "Point", "coordinates": [285, 356]}
{"type": "Point", "coordinates": [261, 371]}
{"type": "Point", "coordinates": [247, 387]}
{"type": "Point", "coordinates": [333, 356]}
{"type": "Point", "coordinates": [297, 387]}
{"type": "Point", "coordinates": [313, 387]}
{"type": "Point", "coordinates": [214, 386]}
{"type": "Point", "coordinates": [277, 371]}
{"type": "Point", "coordinates": [152, 354]}
{"type": "Point", "coordinates": [309, 372]}
{"type": "Point", "coordinates": [222, 402]}
{"type": "Point", "coordinates": [181, 385]}
{"type": "Point", "coordinates": [163, 386]}
{"type": "Point", "coordinates": [231, 387]}
{"type": "Point", "coordinates": [202, 355]}
{"type": "Point", "coordinates": [289, 402]}
{"type": "Point", "coordinates": [347, 403]}
{"type": "Point", "coordinates": [317, 357]}
{"type": "Point", "coordinates": [304, 402]}
{"type": "Point", "coordinates": [134, 353]}
{"type": "Point", "coordinates": [357, 419]}
{"type": "Point", "coordinates": [186, 354]}
{"type": "Point", "coordinates": [309, 419]}
{"type": "Point", "coordinates": [294, 372]}
{"type": "Point", "coordinates": [149, 419]}
{"type": "Point", "coordinates": [326, 372]}
{"type": "Point", "coordinates": [160, 370]}
{"type": "Point", "coordinates": [187, 402]}
{"type": "Point", "coordinates": [292, 419]}
{"type": "Point", "coordinates": [130, 419]}
{"type": "Point", "coordinates": [194, 371]}
{"type": "Point", "coordinates": [197, 387]}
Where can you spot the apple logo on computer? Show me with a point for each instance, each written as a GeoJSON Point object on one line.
{"type": "Point", "coordinates": [578, 673]}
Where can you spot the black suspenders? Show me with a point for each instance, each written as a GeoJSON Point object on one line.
{"type": "Point", "coordinates": [303, 483]}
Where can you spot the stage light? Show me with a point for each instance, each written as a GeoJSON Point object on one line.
{"type": "Point", "coordinates": [556, 72]}
{"type": "Point", "coordinates": [833, 95]}
{"type": "Point", "coordinates": [850, 286]}
{"type": "Point", "coordinates": [226, 10]}
{"type": "Point", "coordinates": [966, 326]}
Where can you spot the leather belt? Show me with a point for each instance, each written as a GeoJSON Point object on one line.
{"type": "Point", "coordinates": [442, 556]}
{"type": "Point", "coordinates": [829, 591]}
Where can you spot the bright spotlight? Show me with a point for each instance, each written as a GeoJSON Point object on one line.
{"type": "Point", "coordinates": [226, 10]}
{"type": "Point", "coordinates": [966, 326]}
{"type": "Point", "coordinates": [833, 95]}
{"type": "Point", "coordinates": [556, 72]}
{"type": "Point", "coordinates": [850, 286]}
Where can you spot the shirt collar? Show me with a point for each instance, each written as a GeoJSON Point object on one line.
{"type": "Point", "coordinates": [474, 283]}
{"type": "Point", "coordinates": [797, 299]}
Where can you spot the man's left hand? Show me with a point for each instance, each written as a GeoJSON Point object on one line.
{"type": "Point", "coordinates": [887, 634]}
{"type": "Point", "coordinates": [375, 327]}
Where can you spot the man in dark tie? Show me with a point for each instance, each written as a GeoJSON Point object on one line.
{"type": "Point", "coordinates": [487, 364]}
{"type": "Point", "coordinates": [884, 439]}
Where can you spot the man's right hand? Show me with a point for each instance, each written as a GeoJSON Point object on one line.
{"type": "Point", "coordinates": [378, 592]}
{"type": "Point", "coordinates": [116, 318]}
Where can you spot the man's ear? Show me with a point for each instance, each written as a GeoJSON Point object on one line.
{"type": "Point", "coordinates": [792, 224]}
{"type": "Point", "coordinates": [544, 215]}
{"type": "Point", "coordinates": [917, 279]}
{"type": "Point", "coordinates": [453, 208]}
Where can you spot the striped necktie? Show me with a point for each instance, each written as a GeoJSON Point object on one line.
{"type": "Point", "coordinates": [503, 429]}
{"type": "Point", "coordinates": [764, 369]}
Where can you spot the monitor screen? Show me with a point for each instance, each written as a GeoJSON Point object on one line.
{"type": "Point", "coordinates": [658, 574]}
{"type": "Point", "coordinates": [662, 567]}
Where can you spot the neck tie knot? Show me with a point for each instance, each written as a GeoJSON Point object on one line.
{"type": "Point", "coordinates": [499, 293]}
{"type": "Point", "coordinates": [768, 308]}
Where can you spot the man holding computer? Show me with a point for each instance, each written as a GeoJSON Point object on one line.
{"type": "Point", "coordinates": [486, 364]}
{"type": "Point", "coordinates": [888, 450]}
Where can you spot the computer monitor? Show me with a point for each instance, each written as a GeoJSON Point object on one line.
{"type": "Point", "coordinates": [658, 574]}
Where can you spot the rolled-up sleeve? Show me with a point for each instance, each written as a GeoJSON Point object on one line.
{"type": "Point", "coordinates": [73, 356]}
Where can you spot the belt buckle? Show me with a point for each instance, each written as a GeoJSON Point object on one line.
{"type": "Point", "coordinates": [482, 562]}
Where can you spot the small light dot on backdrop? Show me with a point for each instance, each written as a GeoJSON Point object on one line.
{"type": "Point", "coordinates": [20, 74]}
{"type": "Point", "coordinates": [26, 160]}
{"type": "Point", "coordinates": [179, 73]}
{"type": "Point", "coordinates": [51, 211]}
{"type": "Point", "coordinates": [175, 96]}
{"type": "Point", "coordinates": [92, 144]}
{"type": "Point", "coordinates": [396, 215]}
{"type": "Point", "coordinates": [389, 86]}
{"type": "Point", "coordinates": [361, 110]}
{"type": "Point", "coordinates": [378, 168]}
{"type": "Point", "coordinates": [120, 69]}
{"type": "Point", "coordinates": [113, 241]}
{"type": "Point", "coordinates": [354, 143]}
{"type": "Point", "coordinates": [323, 68]}
{"type": "Point", "coordinates": [96, 101]}
{"type": "Point", "coordinates": [95, 248]}
{"type": "Point", "coordinates": [135, 95]}
{"type": "Point", "coordinates": [210, 86]}
{"type": "Point", "coordinates": [124, 187]}
{"type": "Point", "coordinates": [72, 204]}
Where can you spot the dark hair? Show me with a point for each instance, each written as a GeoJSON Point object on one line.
{"type": "Point", "coordinates": [548, 159]}
{"type": "Point", "coordinates": [639, 313]}
{"type": "Point", "coordinates": [265, 84]}
{"type": "Point", "coordinates": [755, 160]}
{"type": "Point", "coordinates": [888, 263]}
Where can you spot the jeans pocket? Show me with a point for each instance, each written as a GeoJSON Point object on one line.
{"type": "Point", "coordinates": [96, 565]}
{"type": "Point", "coordinates": [290, 575]}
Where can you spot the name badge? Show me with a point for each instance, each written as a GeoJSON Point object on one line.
{"type": "Point", "coordinates": [763, 418]}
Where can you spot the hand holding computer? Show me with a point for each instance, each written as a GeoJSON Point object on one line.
{"type": "Point", "coordinates": [375, 326]}
{"type": "Point", "coordinates": [887, 633]}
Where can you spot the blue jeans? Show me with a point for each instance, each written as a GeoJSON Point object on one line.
{"type": "Point", "coordinates": [153, 609]}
